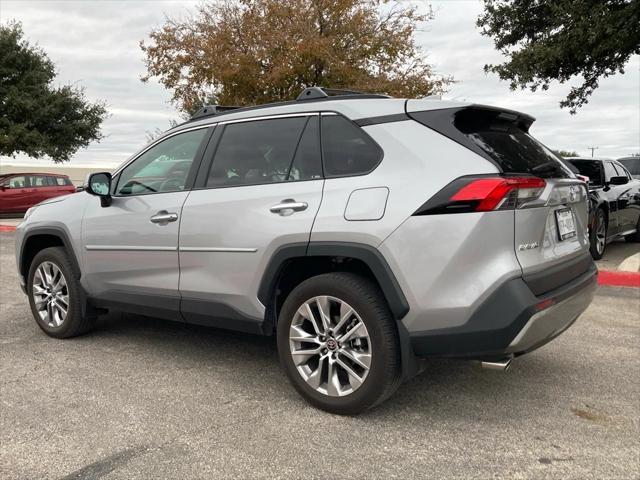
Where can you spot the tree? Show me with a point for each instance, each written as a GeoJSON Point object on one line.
{"type": "Point", "coordinates": [548, 40]}
{"type": "Point", "coordinates": [37, 118]}
{"type": "Point", "coordinates": [242, 52]}
{"type": "Point", "coordinates": [566, 153]}
{"type": "Point", "coordinates": [157, 132]}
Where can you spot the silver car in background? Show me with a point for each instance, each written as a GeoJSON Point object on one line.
{"type": "Point", "coordinates": [365, 232]}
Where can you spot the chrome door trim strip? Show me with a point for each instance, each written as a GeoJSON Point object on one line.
{"type": "Point", "coordinates": [218, 249]}
{"type": "Point", "coordinates": [130, 248]}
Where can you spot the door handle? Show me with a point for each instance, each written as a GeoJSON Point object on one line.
{"type": "Point", "coordinates": [163, 217]}
{"type": "Point", "coordinates": [288, 206]}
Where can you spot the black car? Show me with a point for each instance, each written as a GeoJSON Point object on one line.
{"type": "Point", "coordinates": [614, 202]}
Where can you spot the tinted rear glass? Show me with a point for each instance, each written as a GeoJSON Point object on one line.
{"type": "Point", "coordinates": [591, 169]}
{"type": "Point", "coordinates": [346, 148]}
{"type": "Point", "coordinates": [507, 144]}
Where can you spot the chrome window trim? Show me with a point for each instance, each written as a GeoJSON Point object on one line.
{"type": "Point", "coordinates": [213, 124]}
{"type": "Point", "coordinates": [268, 117]}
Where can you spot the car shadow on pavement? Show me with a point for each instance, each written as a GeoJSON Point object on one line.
{"type": "Point", "coordinates": [451, 388]}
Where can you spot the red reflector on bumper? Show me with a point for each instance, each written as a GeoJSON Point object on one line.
{"type": "Point", "coordinates": [545, 304]}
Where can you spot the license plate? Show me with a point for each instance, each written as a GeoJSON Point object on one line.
{"type": "Point", "coordinates": [566, 225]}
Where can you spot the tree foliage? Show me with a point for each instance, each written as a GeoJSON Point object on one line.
{"type": "Point", "coordinates": [566, 153]}
{"type": "Point", "coordinates": [36, 117]}
{"type": "Point", "coordinates": [242, 52]}
{"type": "Point", "coordinates": [547, 40]}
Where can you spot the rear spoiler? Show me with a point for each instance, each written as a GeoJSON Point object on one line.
{"type": "Point", "coordinates": [451, 122]}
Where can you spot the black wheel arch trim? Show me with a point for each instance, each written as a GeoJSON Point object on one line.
{"type": "Point", "coordinates": [366, 253]}
{"type": "Point", "coordinates": [58, 232]}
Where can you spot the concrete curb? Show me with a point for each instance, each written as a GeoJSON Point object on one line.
{"type": "Point", "coordinates": [619, 279]}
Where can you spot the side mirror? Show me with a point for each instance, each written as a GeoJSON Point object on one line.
{"type": "Point", "coordinates": [2, 188]}
{"type": "Point", "coordinates": [99, 184]}
{"type": "Point", "coordinates": [618, 180]}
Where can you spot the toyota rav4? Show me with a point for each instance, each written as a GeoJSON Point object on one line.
{"type": "Point", "coordinates": [366, 233]}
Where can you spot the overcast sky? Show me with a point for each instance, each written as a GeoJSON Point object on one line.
{"type": "Point", "coordinates": [95, 44]}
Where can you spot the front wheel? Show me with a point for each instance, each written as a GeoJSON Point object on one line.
{"type": "Point", "coordinates": [598, 235]}
{"type": "Point", "coordinates": [338, 343]}
{"type": "Point", "coordinates": [55, 295]}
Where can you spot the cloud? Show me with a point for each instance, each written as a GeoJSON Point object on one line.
{"type": "Point", "coordinates": [611, 119]}
{"type": "Point", "coordinates": [95, 45]}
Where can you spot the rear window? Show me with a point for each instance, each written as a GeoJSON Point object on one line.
{"type": "Point", "coordinates": [632, 164]}
{"type": "Point", "coordinates": [504, 141]}
{"type": "Point", "coordinates": [591, 169]}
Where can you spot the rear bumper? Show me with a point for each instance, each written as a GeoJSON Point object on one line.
{"type": "Point", "coordinates": [512, 321]}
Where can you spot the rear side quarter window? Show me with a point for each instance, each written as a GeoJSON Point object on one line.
{"type": "Point", "coordinates": [346, 149]}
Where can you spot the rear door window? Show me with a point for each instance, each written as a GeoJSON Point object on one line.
{"type": "Point", "coordinates": [346, 149]}
{"type": "Point", "coordinates": [307, 162]}
{"type": "Point", "coordinates": [266, 151]}
{"type": "Point", "coordinates": [38, 181]}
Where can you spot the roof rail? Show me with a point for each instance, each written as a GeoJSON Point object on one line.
{"type": "Point", "coordinates": [315, 93]}
{"type": "Point", "coordinates": [210, 110]}
{"type": "Point", "coordinates": [308, 94]}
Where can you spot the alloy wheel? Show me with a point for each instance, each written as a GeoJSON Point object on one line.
{"type": "Point", "coordinates": [50, 294]}
{"type": "Point", "coordinates": [330, 346]}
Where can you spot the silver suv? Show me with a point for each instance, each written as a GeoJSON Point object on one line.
{"type": "Point", "coordinates": [365, 232]}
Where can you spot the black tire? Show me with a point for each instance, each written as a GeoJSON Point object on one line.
{"type": "Point", "coordinates": [367, 300]}
{"type": "Point", "coordinates": [78, 320]}
{"type": "Point", "coordinates": [597, 246]}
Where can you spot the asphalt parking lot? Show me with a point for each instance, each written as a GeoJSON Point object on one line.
{"type": "Point", "coordinates": [145, 398]}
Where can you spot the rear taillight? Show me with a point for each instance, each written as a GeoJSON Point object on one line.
{"type": "Point", "coordinates": [483, 194]}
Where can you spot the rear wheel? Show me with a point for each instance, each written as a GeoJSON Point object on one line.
{"type": "Point", "coordinates": [598, 235]}
{"type": "Point", "coordinates": [338, 343]}
{"type": "Point", "coordinates": [55, 295]}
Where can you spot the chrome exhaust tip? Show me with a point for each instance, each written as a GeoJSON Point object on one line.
{"type": "Point", "coordinates": [500, 365]}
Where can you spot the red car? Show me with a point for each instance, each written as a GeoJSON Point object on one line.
{"type": "Point", "coordinates": [20, 191]}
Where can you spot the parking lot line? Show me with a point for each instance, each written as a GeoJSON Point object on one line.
{"type": "Point", "coordinates": [630, 264]}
